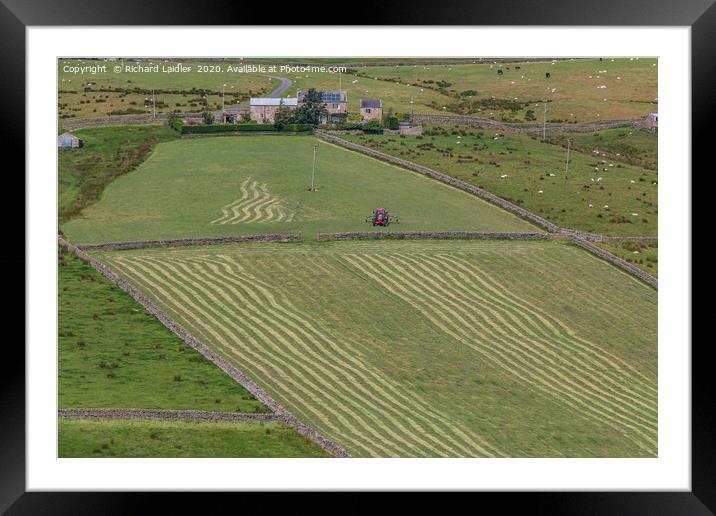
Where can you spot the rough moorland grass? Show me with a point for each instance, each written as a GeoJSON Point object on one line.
{"type": "Point", "coordinates": [626, 145]}
{"type": "Point", "coordinates": [74, 101]}
{"type": "Point", "coordinates": [108, 153]}
{"type": "Point", "coordinates": [643, 254]}
{"type": "Point", "coordinates": [239, 185]}
{"type": "Point", "coordinates": [574, 90]}
{"type": "Point", "coordinates": [430, 348]}
{"type": "Point", "coordinates": [112, 353]}
{"type": "Point", "coordinates": [599, 193]}
{"type": "Point", "coordinates": [123, 438]}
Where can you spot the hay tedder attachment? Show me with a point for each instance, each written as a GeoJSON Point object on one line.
{"type": "Point", "coordinates": [381, 217]}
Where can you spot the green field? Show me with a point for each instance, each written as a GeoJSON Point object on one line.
{"type": "Point", "coordinates": [430, 348]}
{"type": "Point", "coordinates": [600, 193]}
{"type": "Point", "coordinates": [80, 95]}
{"type": "Point", "coordinates": [239, 185]}
{"type": "Point", "coordinates": [574, 90]}
{"type": "Point", "coordinates": [108, 153]}
{"type": "Point", "coordinates": [130, 438]}
{"type": "Point", "coordinates": [582, 92]}
{"type": "Point", "coordinates": [113, 353]}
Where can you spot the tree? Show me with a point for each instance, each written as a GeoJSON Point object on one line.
{"type": "Point", "coordinates": [311, 110]}
{"type": "Point", "coordinates": [207, 117]}
{"type": "Point", "coordinates": [282, 118]}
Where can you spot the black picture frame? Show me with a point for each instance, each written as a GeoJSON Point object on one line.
{"type": "Point", "coordinates": [700, 15]}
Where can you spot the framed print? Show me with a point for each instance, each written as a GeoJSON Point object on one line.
{"type": "Point", "coordinates": [374, 257]}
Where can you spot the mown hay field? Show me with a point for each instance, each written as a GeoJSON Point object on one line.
{"type": "Point", "coordinates": [239, 185]}
{"type": "Point", "coordinates": [429, 348]}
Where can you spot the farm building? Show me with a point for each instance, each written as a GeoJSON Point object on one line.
{"type": "Point", "coordinates": [371, 109]}
{"type": "Point", "coordinates": [69, 141]}
{"type": "Point", "coordinates": [652, 120]}
{"type": "Point", "coordinates": [410, 130]}
{"type": "Point", "coordinates": [231, 115]}
{"type": "Point", "coordinates": [263, 110]}
{"type": "Point", "coordinates": [336, 102]}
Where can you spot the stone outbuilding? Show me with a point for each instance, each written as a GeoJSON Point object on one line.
{"type": "Point", "coordinates": [371, 109]}
{"type": "Point", "coordinates": [410, 130]}
{"type": "Point", "coordinates": [263, 110]}
{"type": "Point", "coordinates": [69, 141]}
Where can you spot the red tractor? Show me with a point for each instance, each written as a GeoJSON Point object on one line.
{"type": "Point", "coordinates": [381, 217]}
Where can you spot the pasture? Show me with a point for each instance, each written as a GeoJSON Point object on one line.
{"type": "Point", "coordinates": [240, 185]}
{"type": "Point", "coordinates": [429, 348]}
{"type": "Point", "coordinates": [145, 438]}
{"type": "Point", "coordinates": [82, 95]}
{"type": "Point", "coordinates": [601, 192]}
{"type": "Point", "coordinates": [578, 90]}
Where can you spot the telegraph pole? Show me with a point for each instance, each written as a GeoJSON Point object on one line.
{"type": "Point", "coordinates": [222, 102]}
{"type": "Point", "coordinates": [313, 172]}
{"type": "Point", "coordinates": [566, 165]}
{"type": "Point", "coordinates": [154, 106]}
{"type": "Point", "coordinates": [544, 124]}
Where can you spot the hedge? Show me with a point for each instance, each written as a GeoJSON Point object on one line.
{"type": "Point", "coordinates": [227, 128]}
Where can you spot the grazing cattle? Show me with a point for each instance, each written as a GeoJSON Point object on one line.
{"type": "Point", "coordinates": [499, 72]}
{"type": "Point", "coordinates": [547, 75]}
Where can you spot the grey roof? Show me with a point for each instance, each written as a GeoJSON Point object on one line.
{"type": "Point", "coordinates": [326, 96]}
{"type": "Point", "coordinates": [370, 103]}
{"type": "Point", "coordinates": [68, 135]}
{"type": "Point", "coordinates": [263, 101]}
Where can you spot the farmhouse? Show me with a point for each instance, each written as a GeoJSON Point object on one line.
{"type": "Point", "coordinates": [336, 103]}
{"type": "Point", "coordinates": [371, 109]}
{"type": "Point", "coordinates": [69, 141]}
{"type": "Point", "coordinates": [263, 110]}
{"type": "Point", "coordinates": [652, 120]}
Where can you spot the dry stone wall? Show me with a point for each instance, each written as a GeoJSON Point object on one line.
{"type": "Point", "coordinates": [484, 194]}
{"type": "Point", "coordinates": [430, 234]}
{"type": "Point", "coordinates": [581, 238]}
{"type": "Point", "coordinates": [615, 260]}
{"type": "Point", "coordinates": [164, 415]}
{"type": "Point", "coordinates": [474, 121]}
{"type": "Point", "coordinates": [139, 244]}
{"type": "Point", "coordinates": [209, 354]}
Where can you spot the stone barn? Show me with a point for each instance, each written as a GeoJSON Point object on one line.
{"type": "Point", "coordinates": [371, 109]}
{"type": "Point", "coordinates": [69, 141]}
{"type": "Point", "coordinates": [263, 110]}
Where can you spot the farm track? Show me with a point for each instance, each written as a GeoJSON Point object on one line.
{"type": "Point", "coordinates": [256, 204]}
{"type": "Point", "coordinates": [252, 323]}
